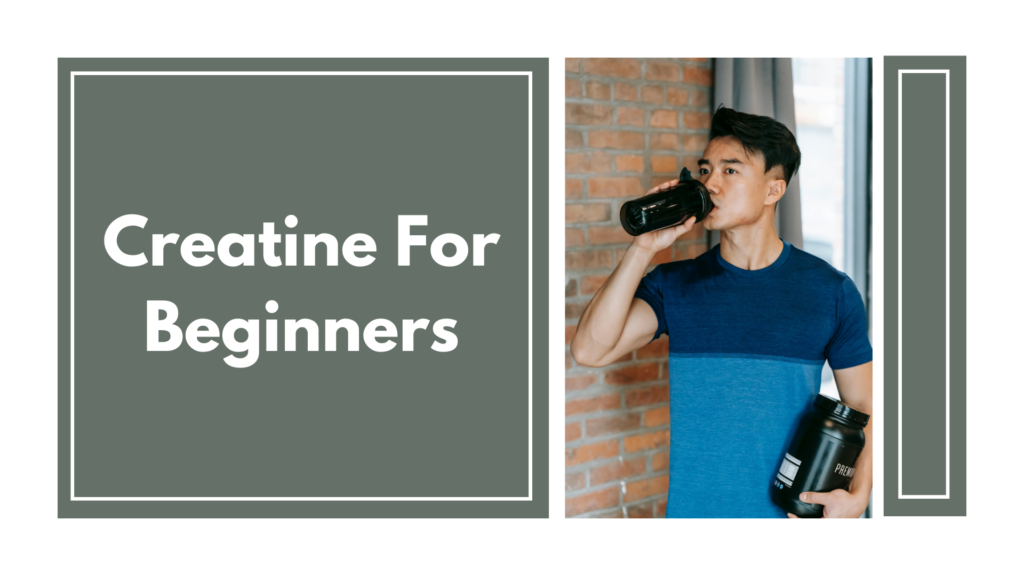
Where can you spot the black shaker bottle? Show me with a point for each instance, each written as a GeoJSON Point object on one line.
{"type": "Point", "coordinates": [667, 208]}
{"type": "Point", "coordinates": [821, 457]}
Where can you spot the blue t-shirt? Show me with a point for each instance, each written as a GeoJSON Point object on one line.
{"type": "Point", "coordinates": [746, 352]}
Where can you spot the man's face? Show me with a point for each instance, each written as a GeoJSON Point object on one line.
{"type": "Point", "coordinates": [737, 182]}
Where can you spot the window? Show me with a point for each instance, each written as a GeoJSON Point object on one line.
{"type": "Point", "coordinates": [832, 129]}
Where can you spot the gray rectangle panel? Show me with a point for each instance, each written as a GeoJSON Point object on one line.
{"type": "Point", "coordinates": [925, 286]}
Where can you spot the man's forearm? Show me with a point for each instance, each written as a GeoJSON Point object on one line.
{"type": "Point", "coordinates": [860, 485]}
{"type": "Point", "coordinates": [604, 318]}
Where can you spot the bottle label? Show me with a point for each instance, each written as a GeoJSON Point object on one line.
{"type": "Point", "coordinates": [787, 472]}
{"type": "Point", "coordinates": [843, 470]}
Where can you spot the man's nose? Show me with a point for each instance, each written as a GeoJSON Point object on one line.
{"type": "Point", "coordinates": [712, 182]}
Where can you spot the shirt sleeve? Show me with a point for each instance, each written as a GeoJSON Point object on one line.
{"type": "Point", "coordinates": [650, 290]}
{"type": "Point", "coordinates": [849, 345]}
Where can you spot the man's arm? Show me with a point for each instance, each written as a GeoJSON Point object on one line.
{"type": "Point", "coordinates": [614, 323]}
{"type": "Point", "coordinates": [855, 389]}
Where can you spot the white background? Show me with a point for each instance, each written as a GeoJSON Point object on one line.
{"type": "Point", "coordinates": [34, 35]}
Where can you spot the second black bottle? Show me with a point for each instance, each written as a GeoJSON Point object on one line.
{"type": "Point", "coordinates": [667, 208]}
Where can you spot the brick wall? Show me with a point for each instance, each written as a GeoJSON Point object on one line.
{"type": "Point", "coordinates": [631, 124]}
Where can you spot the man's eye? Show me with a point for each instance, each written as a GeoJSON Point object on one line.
{"type": "Point", "coordinates": [731, 171]}
{"type": "Point", "coordinates": [703, 171]}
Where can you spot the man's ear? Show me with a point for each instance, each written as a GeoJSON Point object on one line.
{"type": "Point", "coordinates": [776, 190]}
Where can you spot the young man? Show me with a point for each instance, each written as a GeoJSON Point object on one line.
{"type": "Point", "coordinates": [751, 321]}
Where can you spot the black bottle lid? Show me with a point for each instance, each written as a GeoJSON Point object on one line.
{"type": "Point", "coordinates": [833, 407]}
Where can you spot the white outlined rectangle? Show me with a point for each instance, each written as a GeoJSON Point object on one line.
{"type": "Point", "coordinates": [529, 496]}
{"type": "Point", "coordinates": [899, 267]}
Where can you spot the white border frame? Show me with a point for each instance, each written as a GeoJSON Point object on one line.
{"type": "Point", "coordinates": [899, 267]}
{"type": "Point", "coordinates": [529, 497]}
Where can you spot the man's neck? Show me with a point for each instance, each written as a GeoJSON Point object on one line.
{"type": "Point", "coordinates": [751, 247]}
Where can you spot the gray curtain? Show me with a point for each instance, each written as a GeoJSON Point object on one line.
{"type": "Point", "coordinates": [763, 86]}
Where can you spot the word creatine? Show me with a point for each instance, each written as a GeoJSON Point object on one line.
{"type": "Point", "coordinates": [357, 250]}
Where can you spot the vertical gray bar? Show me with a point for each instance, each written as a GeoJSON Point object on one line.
{"type": "Point", "coordinates": [923, 293]}
{"type": "Point", "coordinates": [925, 245]}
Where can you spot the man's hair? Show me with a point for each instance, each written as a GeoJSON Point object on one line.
{"type": "Point", "coordinates": [759, 134]}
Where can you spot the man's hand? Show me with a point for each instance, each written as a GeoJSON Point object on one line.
{"type": "Point", "coordinates": [661, 239]}
{"type": "Point", "coordinates": [837, 503]}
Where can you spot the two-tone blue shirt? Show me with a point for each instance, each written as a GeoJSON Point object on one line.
{"type": "Point", "coordinates": [746, 352]}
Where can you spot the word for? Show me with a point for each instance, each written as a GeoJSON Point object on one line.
{"type": "Point", "coordinates": [199, 335]}
{"type": "Point", "coordinates": [356, 250]}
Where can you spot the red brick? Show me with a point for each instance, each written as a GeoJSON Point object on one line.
{"type": "Point", "coordinates": [660, 506]}
{"type": "Point", "coordinates": [664, 119]}
{"type": "Point", "coordinates": [697, 75]}
{"type": "Point", "coordinates": [645, 488]}
{"type": "Point", "coordinates": [583, 405]}
{"type": "Point", "coordinates": [629, 163]}
{"type": "Point", "coordinates": [625, 92]}
{"type": "Point", "coordinates": [572, 64]}
{"type": "Point", "coordinates": [607, 498]}
{"type": "Point", "coordinates": [665, 141]}
{"type": "Point", "coordinates": [608, 235]}
{"type": "Point", "coordinates": [618, 139]}
{"type": "Point", "coordinates": [630, 116]}
{"type": "Point", "coordinates": [648, 441]}
{"type": "Point", "coordinates": [574, 310]}
{"type": "Point", "coordinates": [574, 237]}
{"type": "Point", "coordinates": [645, 510]}
{"type": "Point", "coordinates": [614, 188]}
{"type": "Point", "coordinates": [613, 425]}
{"type": "Point", "coordinates": [570, 288]}
{"type": "Point", "coordinates": [663, 163]}
{"type": "Point", "coordinates": [652, 94]}
{"type": "Point", "coordinates": [587, 452]}
{"type": "Point", "coordinates": [696, 59]}
{"type": "Point", "coordinates": [592, 284]}
{"type": "Point", "coordinates": [573, 139]}
{"type": "Point", "coordinates": [575, 383]}
{"type": "Point", "coordinates": [662, 257]}
{"type": "Point", "coordinates": [617, 471]}
{"type": "Point", "coordinates": [588, 259]}
{"type": "Point", "coordinates": [596, 212]}
{"type": "Point", "coordinates": [662, 71]}
{"type": "Point", "coordinates": [677, 96]}
{"type": "Point", "coordinates": [659, 461]}
{"type": "Point", "coordinates": [573, 188]}
{"type": "Point", "coordinates": [699, 98]}
{"type": "Point", "coordinates": [573, 89]}
{"type": "Point", "coordinates": [656, 417]}
{"type": "Point", "coordinates": [584, 162]}
{"type": "Point", "coordinates": [659, 180]}
{"type": "Point", "coordinates": [620, 67]}
{"type": "Point", "coordinates": [658, 348]}
{"type": "Point", "coordinates": [568, 361]}
{"type": "Point", "coordinates": [570, 331]}
{"type": "Point", "coordinates": [645, 396]}
{"type": "Point", "coordinates": [691, 251]}
{"type": "Point", "coordinates": [695, 143]}
{"type": "Point", "coordinates": [632, 374]}
{"type": "Point", "coordinates": [588, 114]}
{"type": "Point", "coordinates": [698, 120]}
{"type": "Point", "coordinates": [572, 432]}
{"type": "Point", "coordinates": [577, 481]}
{"type": "Point", "coordinates": [599, 91]}
{"type": "Point", "coordinates": [690, 162]}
